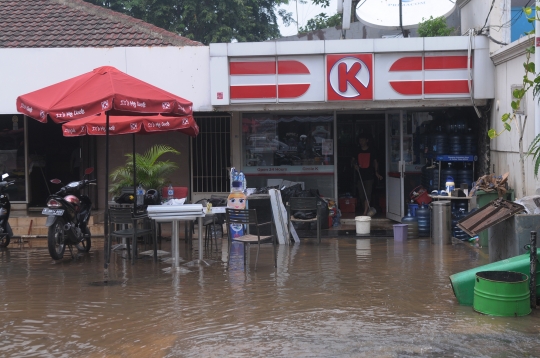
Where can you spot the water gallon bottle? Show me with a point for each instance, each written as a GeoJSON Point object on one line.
{"type": "Point", "coordinates": [170, 192]}
{"type": "Point", "coordinates": [237, 200]}
{"type": "Point", "coordinates": [242, 179]}
{"type": "Point", "coordinates": [423, 214]}
{"type": "Point", "coordinates": [140, 195]}
{"type": "Point", "coordinates": [412, 222]}
{"type": "Point", "coordinates": [450, 185]}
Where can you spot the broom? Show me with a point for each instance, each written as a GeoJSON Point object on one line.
{"type": "Point", "coordinates": [371, 211]}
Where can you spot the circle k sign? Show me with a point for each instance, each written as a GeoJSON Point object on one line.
{"type": "Point", "coordinates": [349, 77]}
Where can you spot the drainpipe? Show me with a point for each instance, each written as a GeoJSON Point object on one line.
{"type": "Point", "coordinates": [537, 62]}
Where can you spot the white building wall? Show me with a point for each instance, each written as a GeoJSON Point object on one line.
{"type": "Point", "coordinates": [474, 14]}
{"type": "Point", "coordinates": [182, 71]}
{"type": "Point", "coordinates": [505, 148]}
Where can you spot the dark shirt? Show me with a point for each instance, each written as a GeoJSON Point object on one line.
{"type": "Point", "coordinates": [366, 163]}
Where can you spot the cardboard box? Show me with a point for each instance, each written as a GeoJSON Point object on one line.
{"type": "Point", "coordinates": [347, 205]}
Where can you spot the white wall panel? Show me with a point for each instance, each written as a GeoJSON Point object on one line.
{"type": "Point", "coordinates": [179, 70]}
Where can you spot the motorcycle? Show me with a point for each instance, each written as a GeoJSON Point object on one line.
{"type": "Point", "coordinates": [5, 208]}
{"type": "Point", "coordinates": [68, 214]}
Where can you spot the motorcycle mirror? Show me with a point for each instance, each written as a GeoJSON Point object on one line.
{"type": "Point", "coordinates": [55, 181]}
{"type": "Point", "coordinates": [4, 176]}
{"type": "Point", "coordinates": [89, 171]}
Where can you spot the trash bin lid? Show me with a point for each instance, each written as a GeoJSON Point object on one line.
{"type": "Point", "coordinates": [441, 202]}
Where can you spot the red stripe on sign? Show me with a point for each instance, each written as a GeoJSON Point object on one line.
{"type": "Point", "coordinates": [292, 90]}
{"type": "Point", "coordinates": [292, 68]}
{"type": "Point", "coordinates": [253, 68]}
{"type": "Point", "coordinates": [407, 87]}
{"type": "Point", "coordinates": [445, 62]}
{"type": "Point", "coordinates": [253, 92]}
{"type": "Point", "coordinates": [446, 87]}
{"type": "Point", "coordinates": [407, 64]}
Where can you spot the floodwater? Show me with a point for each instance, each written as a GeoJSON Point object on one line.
{"type": "Point", "coordinates": [347, 297]}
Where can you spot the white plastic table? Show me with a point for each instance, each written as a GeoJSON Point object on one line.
{"type": "Point", "coordinates": [174, 214]}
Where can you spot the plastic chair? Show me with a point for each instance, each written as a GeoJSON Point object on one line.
{"type": "Point", "coordinates": [301, 209]}
{"type": "Point", "coordinates": [248, 218]}
{"type": "Point", "coordinates": [132, 226]}
{"type": "Point", "coordinates": [210, 223]}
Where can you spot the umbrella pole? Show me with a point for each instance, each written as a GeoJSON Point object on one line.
{"type": "Point", "coordinates": [134, 176]}
{"type": "Point", "coordinates": [106, 243]}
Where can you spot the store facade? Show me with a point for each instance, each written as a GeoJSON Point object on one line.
{"type": "Point", "coordinates": [297, 108]}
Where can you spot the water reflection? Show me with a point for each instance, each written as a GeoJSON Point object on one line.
{"type": "Point", "coordinates": [346, 297]}
{"type": "Point", "coordinates": [363, 248]}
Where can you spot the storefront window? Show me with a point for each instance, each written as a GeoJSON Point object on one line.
{"type": "Point", "coordinates": [12, 154]}
{"type": "Point", "coordinates": [292, 147]}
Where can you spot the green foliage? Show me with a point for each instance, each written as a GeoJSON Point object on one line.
{"type": "Point", "coordinates": [534, 150]}
{"type": "Point", "coordinates": [205, 20]}
{"type": "Point", "coordinates": [434, 27]}
{"type": "Point", "coordinates": [151, 173]}
{"type": "Point", "coordinates": [321, 21]}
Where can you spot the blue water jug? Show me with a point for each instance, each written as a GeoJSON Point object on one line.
{"type": "Point", "coordinates": [423, 214]}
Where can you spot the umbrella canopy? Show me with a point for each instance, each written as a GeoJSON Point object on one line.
{"type": "Point", "coordinates": [104, 89]}
{"type": "Point", "coordinates": [113, 92]}
{"type": "Point", "coordinates": [95, 125]}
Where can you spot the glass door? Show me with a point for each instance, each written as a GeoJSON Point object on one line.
{"type": "Point", "coordinates": [395, 164]}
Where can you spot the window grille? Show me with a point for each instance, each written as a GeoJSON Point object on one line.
{"type": "Point", "coordinates": [211, 155]}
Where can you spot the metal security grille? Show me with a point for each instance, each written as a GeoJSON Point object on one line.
{"type": "Point", "coordinates": [211, 154]}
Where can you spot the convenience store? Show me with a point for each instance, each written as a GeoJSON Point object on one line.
{"type": "Point", "coordinates": [297, 108]}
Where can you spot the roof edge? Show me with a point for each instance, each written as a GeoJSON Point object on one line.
{"type": "Point", "coordinates": [140, 25]}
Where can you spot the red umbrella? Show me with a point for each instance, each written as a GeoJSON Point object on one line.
{"type": "Point", "coordinates": [107, 90]}
{"type": "Point", "coordinates": [95, 125]}
{"type": "Point", "coordinates": [104, 89]}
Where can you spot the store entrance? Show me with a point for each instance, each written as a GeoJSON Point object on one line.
{"type": "Point", "coordinates": [349, 128]}
{"type": "Point", "coordinates": [50, 155]}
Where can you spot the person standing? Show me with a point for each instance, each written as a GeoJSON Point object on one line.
{"type": "Point", "coordinates": [365, 162]}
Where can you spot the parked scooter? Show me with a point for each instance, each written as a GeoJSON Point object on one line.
{"type": "Point", "coordinates": [68, 213]}
{"type": "Point", "coordinates": [5, 208]}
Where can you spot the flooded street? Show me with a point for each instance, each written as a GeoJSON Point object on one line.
{"type": "Point", "coordinates": [345, 298]}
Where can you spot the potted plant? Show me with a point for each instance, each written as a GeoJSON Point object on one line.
{"type": "Point", "coordinates": [151, 172]}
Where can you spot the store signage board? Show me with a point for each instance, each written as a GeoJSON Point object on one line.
{"type": "Point", "coordinates": [271, 79]}
{"type": "Point", "coordinates": [289, 170]}
{"type": "Point", "coordinates": [441, 74]}
{"type": "Point", "coordinates": [385, 13]}
{"type": "Point", "coordinates": [349, 77]}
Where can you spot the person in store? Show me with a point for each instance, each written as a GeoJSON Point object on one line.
{"type": "Point", "coordinates": [365, 162]}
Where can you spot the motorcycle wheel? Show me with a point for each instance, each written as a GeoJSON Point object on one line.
{"type": "Point", "coordinates": [4, 240]}
{"type": "Point", "coordinates": [56, 239]}
{"type": "Point", "coordinates": [86, 243]}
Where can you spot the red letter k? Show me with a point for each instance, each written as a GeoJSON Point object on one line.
{"type": "Point", "coordinates": [345, 76]}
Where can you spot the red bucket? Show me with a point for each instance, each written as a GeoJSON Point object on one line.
{"type": "Point", "coordinates": [420, 195]}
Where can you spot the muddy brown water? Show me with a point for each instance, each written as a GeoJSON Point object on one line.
{"type": "Point", "coordinates": [343, 298]}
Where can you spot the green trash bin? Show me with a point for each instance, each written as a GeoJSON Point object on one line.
{"type": "Point", "coordinates": [482, 199]}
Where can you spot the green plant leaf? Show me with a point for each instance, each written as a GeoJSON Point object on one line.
{"type": "Point", "coordinates": [492, 133]}
{"type": "Point", "coordinates": [507, 126]}
{"type": "Point", "coordinates": [527, 10]}
{"type": "Point", "coordinates": [505, 117]}
{"type": "Point", "coordinates": [515, 105]}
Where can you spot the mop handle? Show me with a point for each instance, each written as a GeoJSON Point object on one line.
{"type": "Point", "coordinates": [362, 182]}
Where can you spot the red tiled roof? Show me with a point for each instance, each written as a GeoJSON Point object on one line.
{"type": "Point", "coordinates": [75, 23]}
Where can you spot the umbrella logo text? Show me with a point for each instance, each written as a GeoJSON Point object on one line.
{"type": "Point", "coordinates": [133, 126]}
{"type": "Point", "coordinates": [26, 108]}
{"type": "Point", "coordinates": [105, 105]}
{"type": "Point", "coordinates": [166, 105]}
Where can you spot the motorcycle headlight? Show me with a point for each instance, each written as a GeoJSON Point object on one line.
{"type": "Point", "coordinates": [54, 204]}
